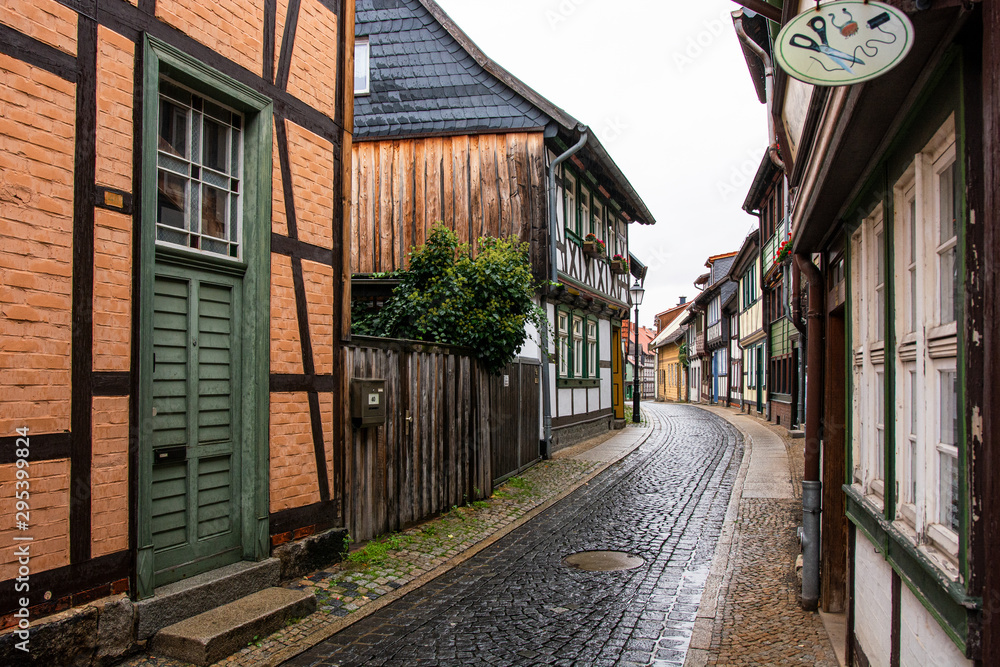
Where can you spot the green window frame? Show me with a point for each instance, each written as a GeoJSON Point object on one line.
{"type": "Point", "coordinates": [593, 347]}
{"type": "Point", "coordinates": [571, 204]}
{"type": "Point", "coordinates": [562, 342]}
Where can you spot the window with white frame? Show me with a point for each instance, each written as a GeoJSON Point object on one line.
{"type": "Point", "coordinates": [869, 277]}
{"type": "Point", "coordinates": [577, 346]}
{"type": "Point", "coordinates": [585, 222]}
{"type": "Point", "coordinates": [362, 66]}
{"type": "Point", "coordinates": [592, 349]}
{"type": "Point", "coordinates": [714, 311]}
{"type": "Point", "coordinates": [597, 219]}
{"type": "Point", "coordinates": [569, 200]}
{"type": "Point", "coordinates": [562, 343]}
{"type": "Point", "coordinates": [928, 199]}
{"type": "Point", "coordinates": [199, 172]}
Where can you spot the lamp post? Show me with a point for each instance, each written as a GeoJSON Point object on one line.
{"type": "Point", "coordinates": [636, 293]}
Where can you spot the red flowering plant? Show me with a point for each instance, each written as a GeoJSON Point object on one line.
{"type": "Point", "coordinates": [599, 247]}
{"type": "Point", "coordinates": [784, 250]}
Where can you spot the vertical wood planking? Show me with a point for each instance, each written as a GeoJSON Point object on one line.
{"type": "Point", "coordinates": [476, 222]}
{"type": "Point", "coordinates": [516, 161]}
{"type": "Point", "coordinates": [385, 204]}
{"type": "Point", "coordinates": [504, 223]}
{"type": "Point", "coordinates": [460, 185]}
{"type": "Point", "coordinates": [488, 185]}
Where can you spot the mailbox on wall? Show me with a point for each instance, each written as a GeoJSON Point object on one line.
{"type": "Point", "coordinates": [367, 402]}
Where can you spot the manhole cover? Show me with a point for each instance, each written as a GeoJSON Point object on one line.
{"type": "Point", "coordinates": [603, 561]}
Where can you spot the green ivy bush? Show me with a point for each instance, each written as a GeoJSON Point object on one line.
{"type": "Point", "coordinates": [449, 297]}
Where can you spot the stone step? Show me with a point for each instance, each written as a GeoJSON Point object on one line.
{"type": "Point", "coordinates": [191, 596]}
{"type": "Point", "coordinates": [220, 632]}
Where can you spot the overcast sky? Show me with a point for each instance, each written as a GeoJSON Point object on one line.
{"type": "Point", "coordinates": [665, 86]}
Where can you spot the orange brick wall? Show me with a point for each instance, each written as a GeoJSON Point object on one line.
{"type": "Point", "coordinates": [112, 290]}
{"type": "Point", "coordinates": [109, 475]}
{"type": "Point", "coordinates": [311, 159]}
{"type": "Point", "coordinates": [318, 279]}
{"type": "Point", "coordinates": [286, 352]}
{"type": "Point", "coordinates": [313, 74]}
{"type": "Point", "coordinates": [48, 521]}
{"type": "Point", "coordinates": [233, 28]}
{"type": "Point", "coordinates": [279, 224]}
{"type": "Point", "coordinates": [115, 59]}
{"type": "Point", "coordinates": [46, 20]}
{"type": "Point", "coordinates": [37, 115]}
{"type": "Point", "coordinates": [293, 458]}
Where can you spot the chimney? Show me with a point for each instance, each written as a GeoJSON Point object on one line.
{"type": "Point", "coordinates": [682, 301]}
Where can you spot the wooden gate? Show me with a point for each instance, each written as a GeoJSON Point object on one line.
{"type": "Point", "coordinates": [514, 419]}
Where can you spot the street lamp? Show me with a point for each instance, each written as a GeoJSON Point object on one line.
{"type": "Point", "coordinates": [636, 293]}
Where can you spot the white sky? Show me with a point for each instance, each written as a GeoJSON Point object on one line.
{"type": "Point", "coordinates": [665, 86]}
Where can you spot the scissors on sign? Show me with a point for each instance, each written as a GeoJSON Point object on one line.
{"type": "Point", "coordinates": [841, 59]}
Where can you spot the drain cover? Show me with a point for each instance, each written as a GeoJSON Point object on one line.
{"type": "Point", "coordinates": [603, 561]}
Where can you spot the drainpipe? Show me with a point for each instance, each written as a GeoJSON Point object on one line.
{"type": "Point", "coordinates": [803, 341]}
{"type": "Point", "coordinates": [772, 148]}
{"type": "Point", "coordinates": [812, 487]}
{"type": "Point", "coordinates": [553, 277]}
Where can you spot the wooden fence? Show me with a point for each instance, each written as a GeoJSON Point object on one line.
{"type": "Point", "coordinates": [514, 419]}
{"type": "Point", "coordinates": [433, 451]}
{"type": "Point", "coordinates": [451, 431]}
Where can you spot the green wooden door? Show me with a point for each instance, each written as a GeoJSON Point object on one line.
{"type": "Point", "coordinates": [195, 509]}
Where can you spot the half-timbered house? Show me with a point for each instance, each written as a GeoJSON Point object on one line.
{"type": "Point", "coordinates": [718, 289]}
{"type": "Point", "coordinates": [671, 375]}
{"type": "Point", "coordinates": [895, 230]}
{"type": "Point", "coordinates": [445, 134]}
{"type": "Point", "coordinates": [751, 335]}
{"type": "Point", "coordinates": [171, 302]}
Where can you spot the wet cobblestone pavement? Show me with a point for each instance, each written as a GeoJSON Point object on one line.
{"type": "Point", "coordinates": [756, 618]}
{"type": "Point", "coordinates": [516, 603]}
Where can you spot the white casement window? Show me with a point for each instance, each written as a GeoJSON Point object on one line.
{"type": "Point", "coordinates": [199, 173]}
{"type": "Point", "coordinates": [584, 224]}
{"type": "Point", "coordinates": [597, 220]}
{"type": "Point", "coordinates": [928, 294]}
{"type": "Point", "coordinates": [868, 299]}
{"type": "Point", "coordinates": [562, 344]}
{"type": "Point", "coordinates": [592, 349]}
{"type": "Point", "coordinates": [714, 311]}
{"type": "Point", "coordinates": [569, 200]}
{"type": "Point", "coordinates": [362, 66]}
{"type": "Point", "coordinates": [946, 182]}
{"type": "Point", "coordinates": [577, 346]}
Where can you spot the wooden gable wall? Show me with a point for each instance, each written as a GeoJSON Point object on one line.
{"type": "Point", "coordinates": [478, 185]}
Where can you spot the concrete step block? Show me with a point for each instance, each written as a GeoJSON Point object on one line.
{"type": "Point", "coordinates": [220, 632]}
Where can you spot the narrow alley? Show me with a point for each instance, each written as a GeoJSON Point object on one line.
{"type": "Point", "coordinates": [518, 602]}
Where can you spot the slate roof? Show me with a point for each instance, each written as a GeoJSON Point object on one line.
{"type": "Point", "coordinates": [424, 82]}
{"type": "Point", "coordinates": [429, 78]}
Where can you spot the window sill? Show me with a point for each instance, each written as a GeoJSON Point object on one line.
{"type": "Point", "coordinates": [578, 382]}
{"type": "Point", "coordinates": [950, 329]}
{"type": "Point", "coordinates": [572, 236]}
{"type": "Point", "coordinates": [944, 540]}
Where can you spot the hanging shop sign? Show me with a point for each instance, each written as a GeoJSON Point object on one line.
{"type": "Point", "coordinates": [840, 43]}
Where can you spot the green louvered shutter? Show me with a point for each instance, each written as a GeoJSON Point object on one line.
{"type": "Point", "coordinates": [195, 493]}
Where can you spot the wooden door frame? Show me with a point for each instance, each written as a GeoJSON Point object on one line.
{"type": "Point", "coordinates": [158, 56]}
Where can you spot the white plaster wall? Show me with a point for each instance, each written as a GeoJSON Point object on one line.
{"type": "Point", "coordinates": [565, 399]}
{"type": "Point", "coordinates": [531, 347]}
{"type": "Point", "coordinates": [579, 401]}
{"type": "Point", "coordinates": [872, 602]}
{"type": "Point", "coordinates": [922, 641]}
{"type": "Point", "coordinates": [594, 396]}
{"type": "Point", "coordinates": [605, 389]}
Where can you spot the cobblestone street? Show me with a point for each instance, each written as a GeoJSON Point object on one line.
{"type": "Point", "coordinates": [517, 603]}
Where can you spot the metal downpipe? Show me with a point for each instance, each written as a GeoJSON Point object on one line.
{"type": "Point", "coordinates": [553, 277]}
{"type": "Point", "coordinates": [812, 487]}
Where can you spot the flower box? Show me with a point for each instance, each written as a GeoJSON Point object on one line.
{"type": "Point", "coordinates": [593, 246]}
{"type": "Point", "coordinates": [619, 266]}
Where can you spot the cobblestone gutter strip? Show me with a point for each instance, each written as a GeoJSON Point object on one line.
{"type": "Point", "coordinates": [403, 562]}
